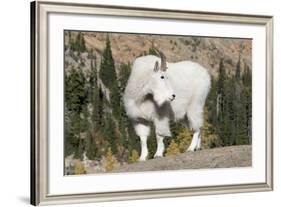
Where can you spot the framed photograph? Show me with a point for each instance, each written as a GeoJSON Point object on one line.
{"type": "Point", "coordinates": [135, 103]}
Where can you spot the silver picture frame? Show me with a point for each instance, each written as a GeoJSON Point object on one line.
{"type": "Point", "coordinates": [39, 100]}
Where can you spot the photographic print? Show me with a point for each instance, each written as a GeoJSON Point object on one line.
{"type": "Point", "coordinates": [146, 95]}
{"type": "Point", "coordinates": [147, 102]}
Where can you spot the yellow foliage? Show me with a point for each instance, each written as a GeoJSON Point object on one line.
{"type": "Point", "coordinates": [208, 137]}
{"type": "Point", "coordinates": [173, 148]}
{"type": "Point", "coordinates": [134, 156]}
{"type": "Point", "coordinates": [184, 139]}
{"type": "Point", "coordinates": [79, 168]}
{"type": "Point", "coordinates": [110, 162]}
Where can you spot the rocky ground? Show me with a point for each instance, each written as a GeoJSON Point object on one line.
{"type": "Point", "coordinates": [224, 157]}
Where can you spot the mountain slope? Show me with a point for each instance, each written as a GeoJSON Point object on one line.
{"type": "Point", "coordinates": [204, 50]}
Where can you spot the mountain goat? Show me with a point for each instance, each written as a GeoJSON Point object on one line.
{"type": "Point", "coordinates": [158, 91]}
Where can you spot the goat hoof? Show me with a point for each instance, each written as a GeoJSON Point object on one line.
{"type": "Point", "coordinates": [157, 156]}
{"type": "Point", "coordinates": [142, 159]}
{"type": "Point", "coordinates": [190, 150]}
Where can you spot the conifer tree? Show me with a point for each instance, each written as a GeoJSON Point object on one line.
{"type": "Point", "coordinates": [78, 44]}
{"type": "Point", "coordinates": [75, 112]}
{"type": "Point", "coordinates": [107, 70]}
{"type": "Point", "coordinates": [92, 118]}
{"type": "Point", "coordinates": [133, 140]}
{"type": "Point", "coordinates": [220, 90]}
{"type": "Point", "coordinates": [109, 78]}
{"type": "Point", "coordinates": [69, 134]}
{"type": "Point", "coordinates": [243, 119]}
{"type": "Point", "coordinates": [75, 91]}
{"type": "Point", "coordinates": [247, 81]}
{"type": "Point", "coordinates": [109, 132]}
{"type": "Point", "coordinates": [238, 68]}
{"type": "Point", "coordinates": [125, 70]}
{"type": "Point", "coordinates": [222, 123]}
{"type": "Point", "coordinates": [208, 136]}
{"type": "Point", "coordinates": [91, 145]}
{"type": "Point", "coordinates": [94, 96]}
{"type": "Point", "coordinates": [123, 122]}
{"type": "Point", "coordinates": [211, 103]}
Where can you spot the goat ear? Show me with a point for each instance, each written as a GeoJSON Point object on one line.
{"type": "Point", "coordinates": [156, 66]}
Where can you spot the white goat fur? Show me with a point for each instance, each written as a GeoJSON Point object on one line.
{"type": "Point", "coordinates": [189, 81]}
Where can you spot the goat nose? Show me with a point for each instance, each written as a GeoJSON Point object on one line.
{"type": "Point", "coordinates": [174, 96]}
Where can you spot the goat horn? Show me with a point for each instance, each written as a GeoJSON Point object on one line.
{"type": "Point", "coordinates": [163, 66]}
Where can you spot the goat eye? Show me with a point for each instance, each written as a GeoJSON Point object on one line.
{"type": "Point", "coordinates": [162, 77]}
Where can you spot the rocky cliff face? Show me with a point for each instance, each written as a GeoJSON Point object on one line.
{"type": "Point", "coordinates": [206, 51]}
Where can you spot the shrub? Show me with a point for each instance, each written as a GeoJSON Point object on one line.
{"type": "Point", "coordinates": [110, 162]}
{"type": "Point", "coordinates": [79, 168]}
{"type": "Point", "coordinates": [173, 149]}
{"type": "Point", "coordinates": [134, 156]}
{"type": "Point", "coordinates": [184, 139]}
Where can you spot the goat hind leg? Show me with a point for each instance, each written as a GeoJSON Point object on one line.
{"type": "Point", "coordinates": [196, 142]}
{"type": "Point", "coordinates": [198, 146]}
{"type": "Point", "coordinates": [160, 146]}
{"type": "Point", "coordinates": [195, 117]}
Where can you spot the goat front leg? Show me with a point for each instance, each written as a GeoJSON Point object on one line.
{"type": "Point", "coordinates": [143, 130]}
{"type": "Point", "coordinates": [162, 130]}
{"type": "Point", "coordinates": [144, 150]}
